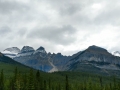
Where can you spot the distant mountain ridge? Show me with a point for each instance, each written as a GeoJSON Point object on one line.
{"type": "Point", "coordinates": [93, 59]}
{"type": "Point", "coordinates": [40, 59]}
{"type": "Point", "coordinates": [11, 52]}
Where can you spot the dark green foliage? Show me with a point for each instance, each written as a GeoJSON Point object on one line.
{"type": "Point", "coordinates": [101, 82]}
{"type": "Point", "coordinates": [49, 84]}
{"type": "Point", "coordinates": [66, 83]}
{"type": "Point", "coordinates": [2, 81]}
{"type": "Point", "coordinates": [37, 80]}
{"type": "Point", "coordinates": [45, 86]}
{"type": "Point", "coordinates": [31, 80]}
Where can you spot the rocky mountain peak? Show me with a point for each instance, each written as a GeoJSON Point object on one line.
{"type": "Point", "coordinates": [40, 50]}
{"type": "Point", "coordinates": [12, 50]}
{"type": "Point", "coordinates": [26, 49]}
{"type": "Point", "coordinates": [49, 53]}
{"type": "Point", "coordinates": [59, 54]}
{"type": "Point", "coordinates": [96, 49]}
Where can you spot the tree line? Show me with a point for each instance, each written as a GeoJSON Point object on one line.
{"type": "Point", "coordinates": [35, 81]}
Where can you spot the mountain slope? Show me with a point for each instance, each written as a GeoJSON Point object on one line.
{"type": "Point", "coordinates": [41, 60]}
{"type": "Point", "coordinates": [8, 65]}
{"type": "Point", "coordinates": [95, 60]}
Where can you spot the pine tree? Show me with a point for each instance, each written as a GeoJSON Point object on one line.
{"type": "Point", "coordinates": [2, 81]}
{"type": "Point", "coordinates": [11, 84]}
{"type": "Point", "coordinates": [15, 73]}
{"type": "Point", "coordinates": [101, 83]}
{"type": "Point", "coordinates": [45, 85]}
{"type": "Point", "coordinates": [17, 79]}
{"type": "Point", "coordinates": [59, 87]}
{"type": "Point", "coordinates": [25, 82]}
{"type": "Point", "coordinates": [38, 85]}
{"type": "Point", "coordinates": [49, 84]}
{"type": "Point", "coordinates": [31, 80]}
{"type": "Point", "coordinates": [66, 83]}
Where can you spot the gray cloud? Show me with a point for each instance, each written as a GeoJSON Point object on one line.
{"type": "Point", "coordinates": [66, 7]}
{"type": "Point", "coordinates": [70, 10]}
{"type": "Point", "coordinates": [8, 7]}
{"type": "Point", "coordinates": [5, 30]}
{"type": "Point", "coordinates": [22, 32]}
{"type": "Point", "coordinates": [110, 14]}
{"type": "Point", "coordinates": [58, 35]}
{"type": "Point", "coordinates": [60, 26]}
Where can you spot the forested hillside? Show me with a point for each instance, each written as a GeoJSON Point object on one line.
{"type": "Point", "coordinates": [36, 80]}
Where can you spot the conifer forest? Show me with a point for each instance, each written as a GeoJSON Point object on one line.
{"type": "Point", "coordinates": [37, 80]}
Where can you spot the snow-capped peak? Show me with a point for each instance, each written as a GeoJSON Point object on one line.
{"type": "Point", "coordinates": [12, 50]}
{"type": "Point", "coordinates": [26, 49]}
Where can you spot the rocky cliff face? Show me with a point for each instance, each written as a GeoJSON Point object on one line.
{"type": "Point", "coordinates": [59, 60]}
{"type": "Point", "coordinates": [41, 60]}
{"type": "Point", "coordinates": [93, 59]}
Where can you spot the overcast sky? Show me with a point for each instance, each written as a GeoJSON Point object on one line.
{"type": "Point", "coordinates": [65, 26]}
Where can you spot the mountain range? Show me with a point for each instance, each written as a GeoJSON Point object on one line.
{"type": "Point", "coordinates": [38, 59]}
{"type": "Point", "coordinates": [93, 59]}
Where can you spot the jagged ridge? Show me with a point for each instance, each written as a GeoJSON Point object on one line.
{"type": "Point", "coordinates": [94, 58]}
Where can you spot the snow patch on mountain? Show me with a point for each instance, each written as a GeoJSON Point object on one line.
{"type": "Point", "coordinates": [11, 52]}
